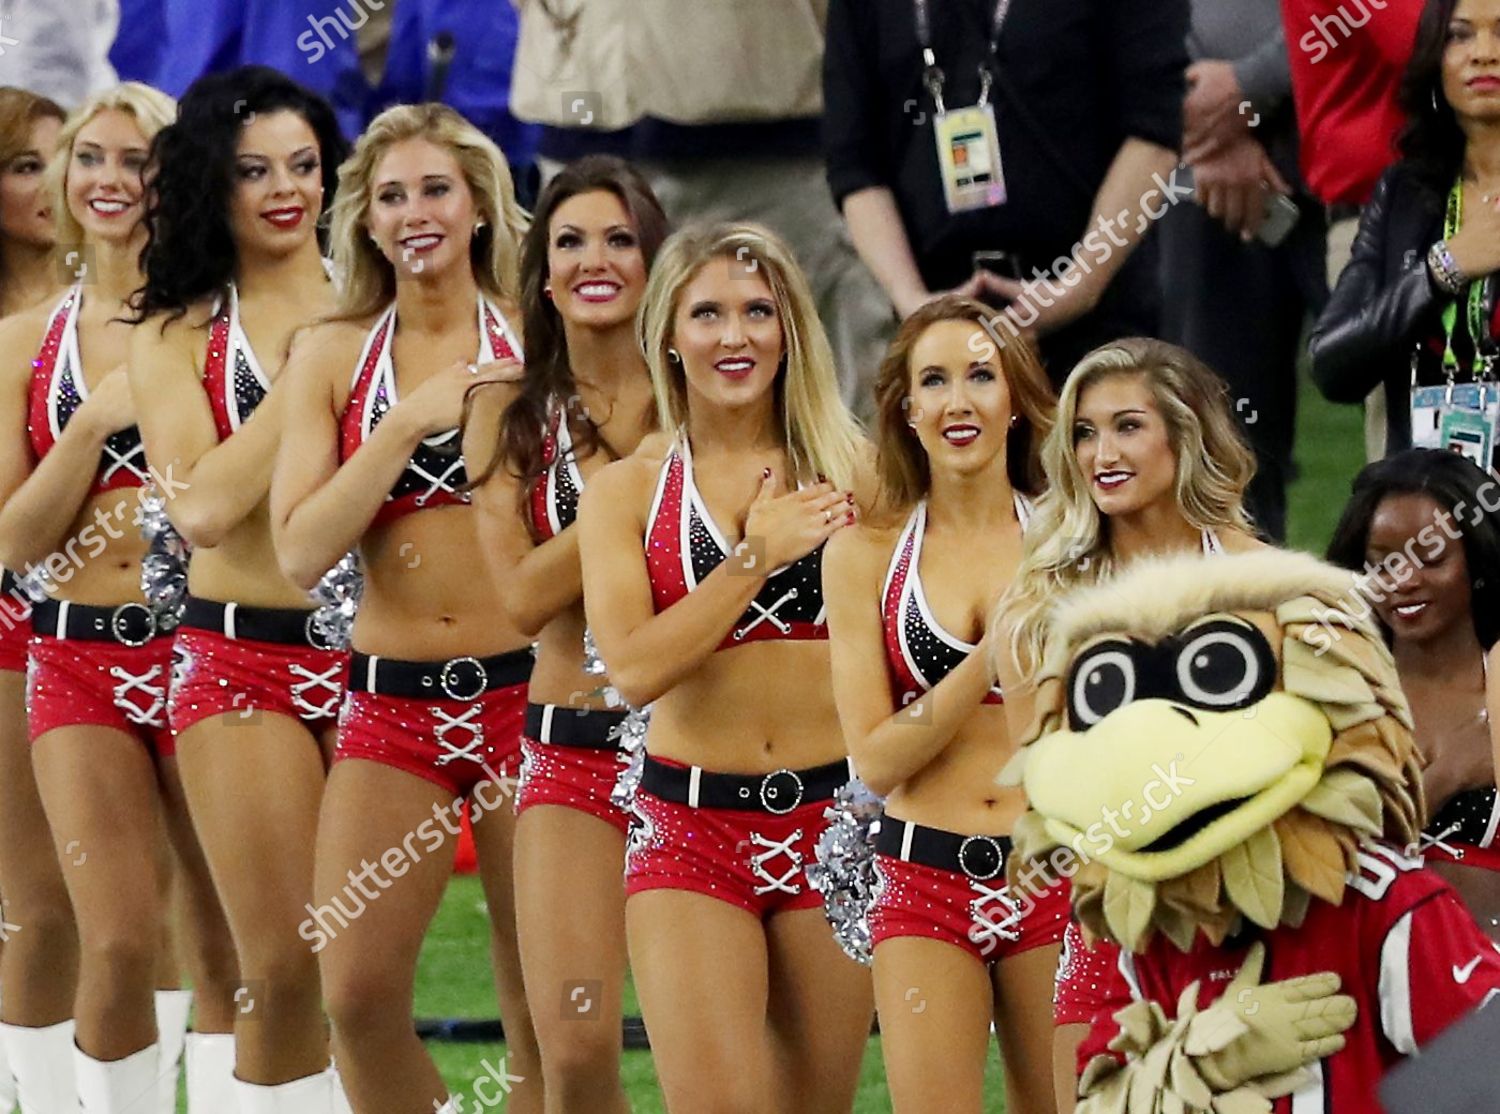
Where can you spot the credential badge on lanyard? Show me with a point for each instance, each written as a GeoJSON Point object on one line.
{"type": "Point", "coordinates": [1461, 417]}
{"type": "Point", "coordinates": [968, 143]}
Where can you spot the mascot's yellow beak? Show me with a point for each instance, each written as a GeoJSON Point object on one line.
{"type": "Point", "coordinates": [1158, 788]}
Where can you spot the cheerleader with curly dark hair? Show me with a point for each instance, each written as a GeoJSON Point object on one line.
{"type": "Point", "coordinates": [233, 270]}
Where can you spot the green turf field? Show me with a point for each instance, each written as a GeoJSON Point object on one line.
{"type": "Point", "coordinates": [454, 977]}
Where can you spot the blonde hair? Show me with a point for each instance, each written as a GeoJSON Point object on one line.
{"type": "Point", "coordinates": [820, 436]}
{"type": "Point", "coordinates": [367, 277]}
{"type": "Point", "coordinates": [1067, 543]}
{"type": "Point", "coordinates": [151, 109]}
{"type": "Point", "coordinates": [900, 460]}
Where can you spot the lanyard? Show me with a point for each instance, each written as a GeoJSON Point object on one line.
{"type": "Point", "coordinates": [1477, 304]}
{"type": "Point", "coordinates": [932, 74]}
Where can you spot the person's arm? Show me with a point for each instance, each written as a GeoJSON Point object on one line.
{"type": "Point", "coordinates": [1492, 704]}
{"type": "Point", "coordinates": [887, 748]}
{"type": "Point", "coordinates": [648, 653]}
{"type": "Point", "coordinates": [1370, 322]}
{"type": "Point", "coordinates": [536, 582]}
{"type": "Point", "coordinates": [41, 506]}
{"type": "Point", "coordinates": [225, 480]}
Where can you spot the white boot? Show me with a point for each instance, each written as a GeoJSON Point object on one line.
{"type": "Point", "coordinates": [126, 1086]}
{"type": "Point", "coordinates": [44, 1066]}
{"type": "Point", "coordinates": [172, 1009]}
{"type": "Point", "coordinates": [341, 1103]}
{"type": "Point", "coordinates": [210, 1073]}
{"type": "Point", "coordinates": [312, 1094]}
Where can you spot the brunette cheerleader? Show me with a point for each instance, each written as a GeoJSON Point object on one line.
{"type": "Point", "coordinates": [425, 236]}
{"type": "Point", "coordinates": [702, 559]}
{"type": "Point", "coordinates": [585, 400]}
{"type": "Point", "coordinates": [961, 420]}
{"type": "Point", "coordinates": [233, 270]}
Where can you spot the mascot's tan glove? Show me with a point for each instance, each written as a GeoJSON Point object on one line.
{"type": "Point", "coordinates": [1250, 1046]}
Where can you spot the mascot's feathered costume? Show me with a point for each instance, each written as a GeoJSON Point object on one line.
{"type": "Point", "coordinates": [1223, 763]}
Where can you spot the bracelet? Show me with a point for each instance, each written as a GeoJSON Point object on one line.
{"type": "Point", "coordinates": [1444, 270]}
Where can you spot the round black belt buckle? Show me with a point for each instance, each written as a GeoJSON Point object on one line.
{"type": "Point", "coordinates": [314, 634]}
{"type": "Point", "coordinates": [463, 678]}
{"type": "Point", "coordinates": [981, 857]}
{"type": "Point", "coordinates": [780, 792]}
{"type": "Point", "coordinates": [132, 624]}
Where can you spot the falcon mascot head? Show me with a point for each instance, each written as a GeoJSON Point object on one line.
{"type": "Point", "coordinates": [1214, 737]}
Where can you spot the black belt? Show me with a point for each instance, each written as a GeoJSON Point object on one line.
{"type": "Point", "coordinates": [980, 857]}
{"type": "Point", "coordinates": [9, 584]}
{"type": "Point", "coordinates": [288, 626]}
{"type": "Point", "coordinates": [778, 792]}
{"type": "Point", "coordinates": [129, 624]}
{"type": "Point", "coordinates": [573, 727]}
{"type": "Point", "coordinates": [457, 678]}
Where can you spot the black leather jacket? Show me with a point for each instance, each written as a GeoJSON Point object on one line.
{"type": "Point", "coordinates": [1385, 302]}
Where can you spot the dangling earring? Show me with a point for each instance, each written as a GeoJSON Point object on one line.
{"type": "Point", "coordinates": [547, 292]}
{"type": "Point", "coordinates": [1435, 108]}
{"type": "Point", "coordinates": [478, 225]}
{"type": "Point", "coordinates": [674, 356]}
{"type": "Point", "coordinates": [1015, 420]}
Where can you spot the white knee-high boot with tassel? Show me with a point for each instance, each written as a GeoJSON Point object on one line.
{"type": "Point", "coordinates": [43, 1059]}
{"type": "Point", "coordinates": [124, 1086]}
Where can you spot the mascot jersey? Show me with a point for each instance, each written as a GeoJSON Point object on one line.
{"type": "Point", "coordinates": [1403, 945]}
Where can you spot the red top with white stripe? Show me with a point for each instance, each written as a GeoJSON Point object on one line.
{"type": "Point", "coordinates": [555, 495]}
{"type": "Point", "coordinates": [1403, 945]}
{"type": "Point", "coordinates": [435, 472]}
{"type": "Point", "coordinates": [918, 650]}
{"type": "Point", "coordinates": [232, 375]}
{"type": "Point", "coordinates": [57, 391]}
{"type": "Point", "coordinates": [684, 545]}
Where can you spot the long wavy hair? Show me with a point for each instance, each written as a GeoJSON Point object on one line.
{"type": "Point", "coordinates": [1464, 492]}
{"type": "Point", "coordinates": [151, 109]}
{"type": "Point", "coordinates": [1067, 543]}
{"type": "Point", "coordinates": [20, 109]}
{"type": "Point", "coordinates": [548, 373]}
{"type": "Point", "coordinates": [1431, 144]}
{"type": "Point", "coordinates": [901, 462]}
{"type": "Point", "coordinates": [819, 434]}
{"type": "Point", "coordinates": [190, 253]}
{"type": "Point", "coordinates": [368, 281]}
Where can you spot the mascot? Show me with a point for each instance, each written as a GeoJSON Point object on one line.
{"type": "Point", "coordinates": [1222, 763]}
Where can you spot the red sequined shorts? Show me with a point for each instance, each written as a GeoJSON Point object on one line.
{"type": "Point", "coordinates": [965, 901]}
{"type": "Point", "coordinates": [753, 859]}
{"type": "Point", "coordinates": [77, 683]}
{"type": "Point", "coordinates": [454, 742]}
{"type": "Point", "coordinates": [214, 675]}
{"type": "Point", "coordinates": [15, 625]}
{"type": "Point", "coordinates": [1088, 980]}
{"type": "Point", "coordinates": [570, 761]}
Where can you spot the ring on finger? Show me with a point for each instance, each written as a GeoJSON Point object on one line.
{"type": "Point", "coordinates": [827, 517]}
{"type": "Point", "coordinates": [473, 369]}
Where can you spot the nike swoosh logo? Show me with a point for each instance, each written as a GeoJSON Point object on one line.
{"type": "Point", "coordinates": [1462, 974]}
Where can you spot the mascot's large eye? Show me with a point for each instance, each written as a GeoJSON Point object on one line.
{"type": "Point", "coordinates": [1103, 680]}
{"type": "Point", "coordinates": [1224, 665]}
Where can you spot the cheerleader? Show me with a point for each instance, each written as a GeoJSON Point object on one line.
{"type": "Point", "coordinates": [960, 420]}
{"type": "Point", "coordinates": [39, 960]}
{"type": "Point", "coordinates": [233, 270]}
{"type": "Point", "coordinates": [585, 400]}
{"type": "Point", "coordinates": [1145, 458]}
{"type": "Point", "coordinates": [98, 660]}
{"type": "Point", "coordinates": [425, 237]}
{"type": "Point", "coordinates": [702, 581]}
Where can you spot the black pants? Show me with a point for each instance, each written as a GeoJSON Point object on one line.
{"type": "Point", "coordinates": [1240, 308]}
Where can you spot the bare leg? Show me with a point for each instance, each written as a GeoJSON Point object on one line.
{"type": "Point", "coordinates": [1023, 1019]}
{"type": "Point", "coordinates": [1065, 1042]}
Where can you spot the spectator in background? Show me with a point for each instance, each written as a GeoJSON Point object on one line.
{"type": "Point", "coordinates": [717, 103]}
{"type": "Point", "coordinates": [1088, 101]}
{"type": "Point", "coordinates": [1411, 260]}
{"type": "Point", "coordinates": [1345, 74]}
{"type": "Point", "coordinates": [58, 49]}
{"type": "Point", "coordinates": [1231, 298]}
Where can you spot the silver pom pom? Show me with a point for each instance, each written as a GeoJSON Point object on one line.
{"type": "Point", "coordinates": [164, 569]}
{"type": "Point", "coordinates": [338, 596]}
{"type": "Point", "coordinates": [630, 739]}
{"type": "Point", "coordinates": [845, 871]}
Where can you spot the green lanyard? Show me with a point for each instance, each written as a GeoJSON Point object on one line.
{"type": "Point", "coordinates": [1478, 326]}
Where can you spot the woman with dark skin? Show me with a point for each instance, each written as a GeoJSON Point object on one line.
{"type": "Point", "coordinates": [233, 271]}
{"type": "Point", "coordinates": [585, 400]}
{"type": "Point", "coordinates": [102, 748]}
{"type": "Point", "coordinates": [425, 236]}
{"type": "Point", "coordinates": [960, 423]}
{"type": "Point", "coordinates": [38, 966]}
{"type": "Point", "coordinates": [1422, 525]}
